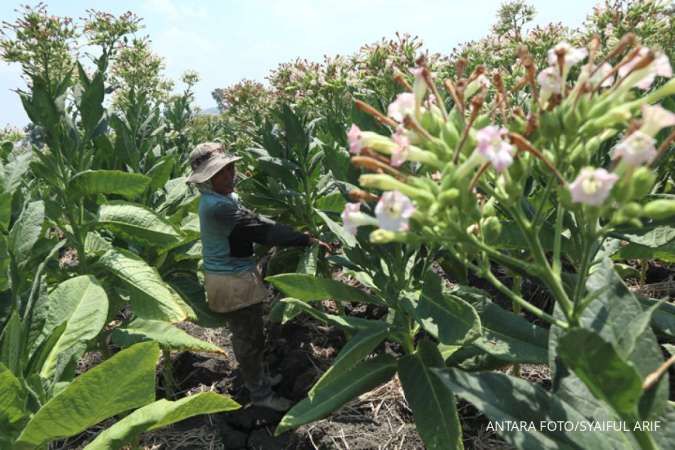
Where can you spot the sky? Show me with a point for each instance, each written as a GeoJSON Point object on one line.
{"type": "Point", "coordinates": [226, 41]}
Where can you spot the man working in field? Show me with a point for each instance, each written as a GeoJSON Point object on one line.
{"type": "Point", "coordinates": [233, 284]}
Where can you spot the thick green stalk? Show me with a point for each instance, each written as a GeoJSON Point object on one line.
{"type": "Point", "coordinates": [557, 238]}
{"type": "Point", "coordinates": [488, 275]}
{"type": "Point", "coordinates": [545, 271]}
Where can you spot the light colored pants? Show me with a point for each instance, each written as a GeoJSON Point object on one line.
{"type": "Point", "coordinates": [230, 292]}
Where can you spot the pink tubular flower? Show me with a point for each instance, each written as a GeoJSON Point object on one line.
{"type": "Point", "coordinates": [600, 73]}
{"type": "Point", "coordinates": [549, 80]}
{"type": "Point", "coordinates": [400, 153]}
{"type": "Point", "coordinates": [348, 216]}
{"type": "Point", "coordinates": [393, 211]}
{"type": "Point", "coordinates": [659, 67]}
{"type": "Point", "coordinates": [592, 186]}
{"type": "Point", "coordinates": [352, 218]}
{"type": "Point", "coordinates": [656, 117]}
{"type": "Point", "coordinates": [354, 139]}
{"type": "Point", "coordinates": [572, 55]}
{"type": "Point", "coordinates": [492, 146]}
{"type": "Point", "coordinates": [636, 149]}
{"type": "Point", "coordinates": [402, 106]}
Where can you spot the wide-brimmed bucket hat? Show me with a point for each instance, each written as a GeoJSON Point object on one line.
{"type": "Point", "coordinates": [207, 159]}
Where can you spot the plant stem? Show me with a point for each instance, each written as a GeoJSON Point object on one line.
{"type": "Point", "coordinates": [557, 238]}
{"type": "Point", "coordinates": [518, 290]}
{"type": "Point", "coordinates": [167, 374]}
{"type": "Point", "coordinates": [544, 271]}
{"type": "Point", "coordinates": [488, 275]}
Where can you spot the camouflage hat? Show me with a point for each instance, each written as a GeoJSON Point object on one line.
{"type": "Point", "coordinates": [207, 159]}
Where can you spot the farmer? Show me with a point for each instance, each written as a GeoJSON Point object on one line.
{"type": "Point", "coordinates": [233, 284]}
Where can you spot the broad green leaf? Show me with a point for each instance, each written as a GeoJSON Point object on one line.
{"type": "Point", "coordinates": [347, 239]}
{"type": "Point", "coordinates": [160, 172]}
{"type": "Point", "coordinates": [355, 351]}
{"type": "Point", "coordinates": [5, 210]}
{"type": "Point", "coordinates": [190, 225]}
{"type": "Point", "coordinates": [12, 399]}
{"type": "Point", "coordinates": [151, 298]}
{"type": "Point", "coordinates": [665, 253]}
{"type": "Point", "coordinates": [349, 385]}
{"type": "Point", "coordinates": [91, 102]}
{"type": "Point", "coordinates": [137, 224]}
{"type": "Point", "coordinates": [347, 323]}
{"type": "Point", "coordinates": [665, 435]}
{"type": "Point", "coordinates": [618, 318]}
{"type": "Point", "coordinates": [165, 334]}
{"type": "Point", "coordinates": [510, 337]}
{"type": "Point", "coordinates": [505, 398]}
{"type": "Point", "coordinates": [311, 288]}
{"type": "Point", "coordinates": [601, 368]}
{"type": "Point", "coordinates": [16, 168]}
{"type": "Point", "coordinates": [572, 390]}
{"type": "Point", "coordinates": [449, 319]}
{"type": "Point", "coordinates": [280, 169]}
{"type": "Point", "coordinates": [11, 344]}
{"type": "Point", "coordinates": [92, 182]}
{"type": "Point", "coordinates": [663, 319]}
{"type": "Point", "coordinates": [26, 231]}
{"type": "Point", "coordinates": [308, 261]}
{"type": "Point", "coordinates": [160, 414]}
{"type": "Point", "coordinates": [82, 304]}
{"type": "Point", "coordinates": [4, 264]}
{"type": "Point", "coordinates": [432, 403]}
{"type": "Point", "coordinates": [94, 244]}
{"type": "Point", "coordinates": [334, 203]}
{"type": "Point", "coordinates": [657, 237]}
{"type": "Point", "coordinates": [123, 382]}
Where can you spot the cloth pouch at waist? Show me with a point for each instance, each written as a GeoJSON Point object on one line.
{"type": "Point", "coordinates": [230, 292]}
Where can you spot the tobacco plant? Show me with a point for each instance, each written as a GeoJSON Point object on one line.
{"type": "Point", "coordinates": [535, 182]}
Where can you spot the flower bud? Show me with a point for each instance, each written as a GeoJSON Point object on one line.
{"type": "Point", "coordinates": [431, 123]}
{"type": "Point", "coordinates": [388, 183]}
{"type": "Point", "coordinates": [632, 210]}
{"type": "Point", "coordinates": [385, 236]}
{"type": "Point", "coordinates": [660, 209]}
{"type": "Point", "coordinates": [642, 181]}
{"type": "Point", "coordinates": [449, 197]}
{"type": "Point", "coordinates": [491, 228]}
{"type": "Point", "coordinates": [449, 134]}
{"type": "Point", "coordinates": [550, 124]}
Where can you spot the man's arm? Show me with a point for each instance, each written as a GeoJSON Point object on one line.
{"type": "Point", "coordinates": [250, 228]}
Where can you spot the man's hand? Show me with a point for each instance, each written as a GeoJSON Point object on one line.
{"type": "Point", "coordinates": [320, 243]}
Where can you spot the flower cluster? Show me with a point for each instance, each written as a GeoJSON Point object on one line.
{"type": "Point", "coordinates": [436, 164]}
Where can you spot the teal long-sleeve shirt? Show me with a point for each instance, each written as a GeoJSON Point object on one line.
{"type": "Point", "coordinates": [228, 231]}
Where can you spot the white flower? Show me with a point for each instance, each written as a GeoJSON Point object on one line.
{"type": "Point", "coordinates": [655, 118]}
{"type": "Point", "coordinates": [393, 211]}
{"type": "Point", "coordinates": [492, 146]}
{"type": "Point", "coordinates": [354, 139]}
{"type": "Point", "coordinates": [571, 57]}
{"type": "Point", "coordinates": [592, 186]}
{"type": "Point", "coordinates": [352, 218]}
{"type": "Point", "coordinates": [599, 75]}
{"type": "Point", "coordinates": [549, 80]}
{"type": "Point", "coordinates": [644, 77]}
{"type": "Point", "coordinates": [636, 149]}
{"type": "Point", "coordinates": [402, 106]}
{"type": "Point", "coordinates": [400, 153]}
{"type": "Point", "coordinates": [551, 83]}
